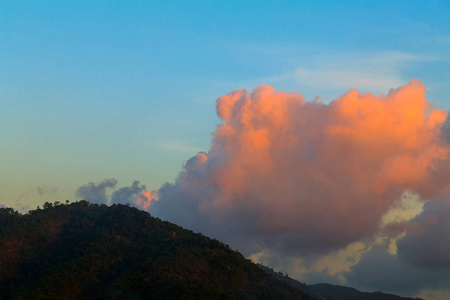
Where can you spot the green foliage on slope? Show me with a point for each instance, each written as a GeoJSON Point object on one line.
{"type": "Point", "coordinates": [87, 251]}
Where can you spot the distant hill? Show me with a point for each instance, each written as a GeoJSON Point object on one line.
{"type": "Point", "coordinates": [87, 251]}
{"type": "Point", "coordinates": [326, 291]}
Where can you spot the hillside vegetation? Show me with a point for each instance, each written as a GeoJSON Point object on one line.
{"type": "Point", "coordinates": [87, 251]}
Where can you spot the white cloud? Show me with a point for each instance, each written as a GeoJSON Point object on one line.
{"type": "Point", "coordinates": [344, 78]}
{"type": "Point", "coordinates": [373, 72]}
{"type": "Point", "coordinates": [325, 75]}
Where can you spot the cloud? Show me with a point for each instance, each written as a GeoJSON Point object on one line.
{"type": "Point", "coordinates": [307, 177]}
{"type": "Point", "coordinates": [353, 191]}
{"type": "Point", "coordinates": [418, 266]}
{"type": "Point", "coordinates": [426, 243]}
{"type": "Point", "coordinates": [105, 193]}
{"type": "Point", "coordinates": [127, 195]}
{"type": "Point", "coordinates": [379, 270]}
{"type": "Point", "coordinates": [23, 195]}
{"type": "Point", "coordinates": [96, 192]}
{"type": "Point", "coordinates": [23, 208]}
{"type": "Point", "coordinates": [445, 130]}
{"type": "Point", "coordinates": [369, 80]}
{"type": "Point", "coordinates": [46, 190]}
{"type": "Point", "coordinates": [145, 199]}
{"type": "Point", "coordinates": [327, 75]}
{"type": "Point", "coordinates": [2, 206]}
{"type": "Point", "coordinates": [135, 195]}
{"type": "Point", "coordinates": [373, 72]}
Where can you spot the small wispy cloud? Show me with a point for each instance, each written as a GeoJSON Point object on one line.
{"type": "Point", "coordinates": [329, 74]}
{"type": "Point", "coordinates": [342, 78]}
{"type": "Point", "coordinates": [46, 190]}
{"type": "Point", "coordinates": [23, 194]}
{"type": "Point", "coordinates": [374, 72]}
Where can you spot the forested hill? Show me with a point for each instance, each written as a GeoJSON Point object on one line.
{"type": "Point", "coordinates": [87, 251]}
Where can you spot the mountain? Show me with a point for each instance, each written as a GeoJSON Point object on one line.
{"type": "Point", "coordinates": [325, 291]}
{"type": "Point", "coordinates": [89, 251]}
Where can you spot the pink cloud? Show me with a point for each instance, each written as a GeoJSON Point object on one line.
{"type": "Point", "coordinates": [308, 176]}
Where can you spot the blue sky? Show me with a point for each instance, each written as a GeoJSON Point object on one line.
{"type": "Point", "coordinates": [93, 90]}
{"type": "Point", "coordinates": [127, 89]}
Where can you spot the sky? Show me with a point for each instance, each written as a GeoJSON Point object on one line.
{"type": "Point", "coordinates": [311, 136]}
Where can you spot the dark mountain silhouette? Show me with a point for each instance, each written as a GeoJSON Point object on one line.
{"type": "Point", "coordinates": [325, 291]}
{"type": "Point", "coordinates": [89, 251]}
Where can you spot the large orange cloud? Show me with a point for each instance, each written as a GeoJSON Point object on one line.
{"type": "Point", "coordinates": [308, 176]}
